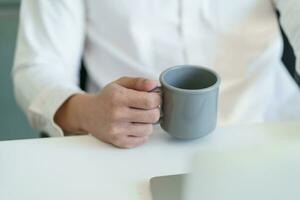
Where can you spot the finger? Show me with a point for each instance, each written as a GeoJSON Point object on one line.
{"type": "Point", "coordinates": [140, 130]}
{"type": "Point", "coordinates": [142, 100]}
{"type": "Point", "coordinates": [143, 116]}
{"type": "Point", "coordinates": [140, 84]}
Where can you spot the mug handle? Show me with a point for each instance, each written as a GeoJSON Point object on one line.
{"type": "Point", "coordinates": [159, 90]}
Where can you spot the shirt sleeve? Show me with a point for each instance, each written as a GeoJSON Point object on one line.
{"type": "Point", "coordinates": [289, 18]}
{"type": "Point", "coordinates": [47, 59]}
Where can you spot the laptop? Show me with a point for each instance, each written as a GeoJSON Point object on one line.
{"type": "Point", "coordinates": [261, 173]}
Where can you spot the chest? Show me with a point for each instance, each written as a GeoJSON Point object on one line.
{"type": "Point", "coordinates": [218, 15]}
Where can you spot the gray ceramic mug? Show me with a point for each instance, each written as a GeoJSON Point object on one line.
{"type": "Point", "coordinates": [189, 101]}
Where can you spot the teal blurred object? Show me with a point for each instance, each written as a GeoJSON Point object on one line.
{"type": "Point", "coordinates": [13, 123]}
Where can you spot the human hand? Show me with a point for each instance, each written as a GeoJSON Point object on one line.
{"type": "Point", "coordinates": [122, 113]}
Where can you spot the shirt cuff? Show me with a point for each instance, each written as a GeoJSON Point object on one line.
{"type": "Point", "coordinates": [41, 112]}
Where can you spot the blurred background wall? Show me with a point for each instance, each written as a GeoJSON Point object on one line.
{"type": "Point", "coordinates": [13, 124]}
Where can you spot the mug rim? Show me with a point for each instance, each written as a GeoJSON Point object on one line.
{"type": "Point", "coordinates": [193, 91]}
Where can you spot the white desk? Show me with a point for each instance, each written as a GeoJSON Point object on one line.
{"type": "Point", "coordinates": [85, 168]}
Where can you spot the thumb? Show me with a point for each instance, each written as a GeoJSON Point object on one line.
{"type": "Point", "coordinates": [140, 84]}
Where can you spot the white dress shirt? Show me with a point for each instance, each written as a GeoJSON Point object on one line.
{"type": "Point", "coordinates": [241, 40]}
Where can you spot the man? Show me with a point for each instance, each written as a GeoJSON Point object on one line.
{"type": "Point", "coordinates": [120, 39]}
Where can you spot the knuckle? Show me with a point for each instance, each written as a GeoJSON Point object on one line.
{"type": "Point", "coordinates": [155, 115]}
{"type": "Point", "coordinates": [158, 99]}
{"type": "Point", "coordinates": [120, 142]}
{"type": "Point", "coordinates": [121, 79]}
{"type": "Point", "coordinates": [116, 114]}
{"type": "Point", "coordinates": [112, 86]}
{"type": "Point", "coordinates": [153, 101]}
{"type": "Point", "coordinates": [115, 95]}
{"type": "Point", "coordinates": [114, 132]}
{"type": "Point", "coordinates": [149, 103]}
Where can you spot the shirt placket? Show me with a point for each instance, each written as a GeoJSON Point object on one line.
{"type": "Point", "coordinates": [197, 33]}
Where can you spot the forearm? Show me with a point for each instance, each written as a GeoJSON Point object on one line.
{"type": "Point", "coordinates": [47, 59]}
{"type": "Point", "coordinates": [40, 93]}
{"type": "Point", "coordinates": [72, 114]}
